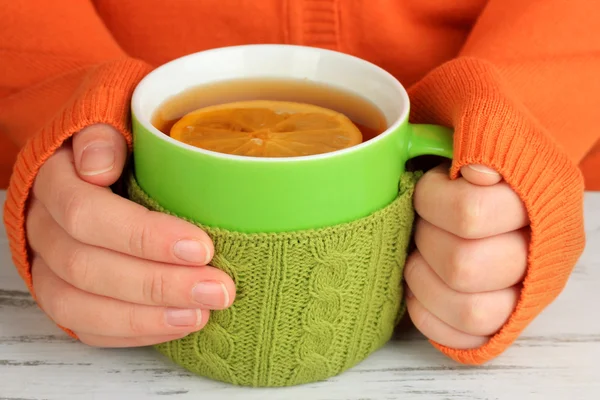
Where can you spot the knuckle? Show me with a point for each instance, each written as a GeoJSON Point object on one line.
{"type": "Point", "coordinates": [421, 230]}
{"type": "Point", "coordinates": [34, 222]}
{"type": "Point", "coordinates": [41, 175]}
{"type": "Point", "coordinates": [154, 288]}
{"type": "Point", "coordinates": [35, 276]}
{"type": "Point", "coordinates": [135, 324]}
{"type": "Point", "coordinates": [47, 168]}
{"type": "Point", "coordinates": [461, 274]}
{"type": "Point", "coordinates": [75, 265]}
{"type": "Point", "coordinates": [419, 316]}
{"type": "Point", "coordinates": [469, 213]}
{"type": "Point", "coordinates": [52, 301]}
{"type": "Point", "coordinates": [57, 307]}
{"type": "Point", "coordinates": [409, 267]}
{"type": "Point", "coordinates": [30, 225]}
{"type": "Point", "coordinates": [49, 171]}
{"type": "Point", "coordinates": [75, 206]}
{"type": "Point", "coordinates": [420, 192]}
{"type": "Point", "coordinates": [140, 235]}
{"type": "Point", "coordinates": [475, 317]}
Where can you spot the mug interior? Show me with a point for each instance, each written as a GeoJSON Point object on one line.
{"type": "Point", "coordinates": [271, 61]}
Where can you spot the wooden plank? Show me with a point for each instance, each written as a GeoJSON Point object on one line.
{"type": "Point", "coordinates": [557, 357]}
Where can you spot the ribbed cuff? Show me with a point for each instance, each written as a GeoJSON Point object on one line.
{"type": "Point", "coordinates": [492, 128]}
{"type": "Point", "coordinates": [103, 97]}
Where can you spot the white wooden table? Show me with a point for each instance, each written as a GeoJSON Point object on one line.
{"type": "Point", "coordinates": [557, 357]}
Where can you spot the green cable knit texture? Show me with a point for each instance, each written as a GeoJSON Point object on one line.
{"type": "Point", "coordinates": [309, 305]}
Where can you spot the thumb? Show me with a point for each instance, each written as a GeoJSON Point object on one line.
{"type": "Point", "coordinates": [99, 152]}
{"type": "Point", "coordinates": [480, 175]}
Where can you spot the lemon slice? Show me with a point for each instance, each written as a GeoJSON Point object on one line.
{"type": "Point", "coordinates": [263, 128]}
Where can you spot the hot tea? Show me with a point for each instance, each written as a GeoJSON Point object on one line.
{"type": "Point", "coordinates": [269, 118]}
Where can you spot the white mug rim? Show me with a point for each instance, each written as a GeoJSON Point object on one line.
{"type": "Point", "coordinates": [148, 80]}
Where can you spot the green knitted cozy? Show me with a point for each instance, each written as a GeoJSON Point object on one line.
{"type": "Point", "coordinates": [310, 304]}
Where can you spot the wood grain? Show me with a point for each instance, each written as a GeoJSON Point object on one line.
{"type": "Point", "coordinates": [557, 357]}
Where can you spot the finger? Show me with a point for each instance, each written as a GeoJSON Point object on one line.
{"type": "Point", "coordinates": [116, 342]}
{"type": "Point", "coordinates": [88, 313]}
{"type": "Point", "coordinates": [478, 314]}
{"type": "Point", "coordinates": [96, 216]}
{"type": "Point", "coordinates": [474, 265]}
{"type": "Point", "coordinates": [480, 175]}
{"type": "Point", "coordinates": [116, 275]}
{"type": "Point", "coordinates": [100, 152]}
{"type": "Point", "coordinates": [435, 329]}
{"type": "Point", "coordinates": [466, 210]}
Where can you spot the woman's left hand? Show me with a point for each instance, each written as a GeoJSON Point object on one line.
{"type": "Point", "coordinates": [472, 236]}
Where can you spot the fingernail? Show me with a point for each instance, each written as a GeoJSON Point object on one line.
{"type": "Point", "coordinates": [97, 158]}
{"type": "Point", "coordinates": [211, 294]}
{"type": "Point", "coordinates": [192, 251]}
{"type": "Point", "coordinates": [183, 317]}
{"type": "Point", "coordinates": [409, 293]}
{"type": "Point", "coordinates": [483, 169]}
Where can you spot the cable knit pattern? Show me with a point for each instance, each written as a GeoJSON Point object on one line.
{"type": "Point", "coordinates": [309, 305]}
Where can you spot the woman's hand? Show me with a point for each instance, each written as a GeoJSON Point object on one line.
{"type": "Point", "coordinates": [108, 269]}
{"type": "Point", "coordinates": [472, 243]}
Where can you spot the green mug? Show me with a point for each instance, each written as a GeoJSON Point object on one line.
{"type": "Point", "coordinates": [251, 194]}
{"type": "Point", "coordinates": [315, 245]}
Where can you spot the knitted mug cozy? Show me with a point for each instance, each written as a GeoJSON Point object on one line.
{"type": "Point", "coordinates": [309, 304]}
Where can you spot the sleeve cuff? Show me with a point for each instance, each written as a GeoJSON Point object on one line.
{"type": "Point", "coordinates": [102, 97]}
{"type": "Point", "coordinates": [494, 129]}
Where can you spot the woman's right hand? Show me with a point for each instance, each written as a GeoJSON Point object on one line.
{"type": "Point", "coordinates": [108, 269]}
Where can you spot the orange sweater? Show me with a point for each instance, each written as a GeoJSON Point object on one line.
{"type": "Point", "coordinates": [518, 80]}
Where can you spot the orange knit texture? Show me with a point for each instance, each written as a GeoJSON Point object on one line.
{"type": "Point", "coordinates": [518, 81]}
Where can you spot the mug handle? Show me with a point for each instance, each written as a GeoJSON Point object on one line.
{"type": "Point", "coordinates": [427, 139]}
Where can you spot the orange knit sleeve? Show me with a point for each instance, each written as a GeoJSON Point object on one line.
{"type": "Point", "coordinates": [60, 71]}
{"type": "Point", "coordinates": [522, 98]}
